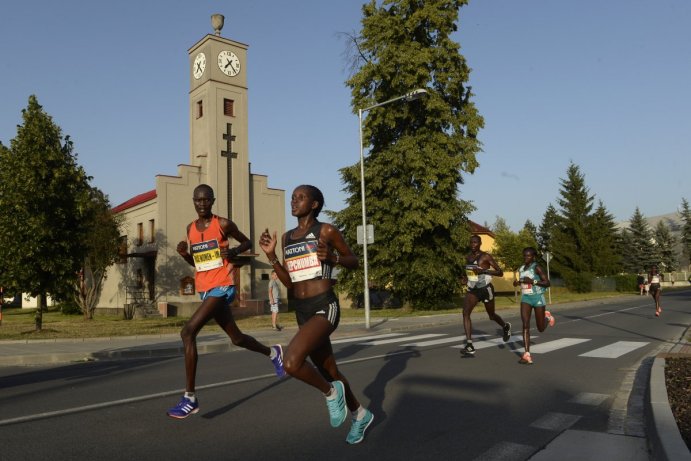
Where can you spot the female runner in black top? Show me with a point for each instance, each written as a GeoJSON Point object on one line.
{"type": "Point", "coordinates": [310, 252]}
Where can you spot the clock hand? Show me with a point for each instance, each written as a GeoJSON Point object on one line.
{"type": "Point", "coordinates": [227, 64]}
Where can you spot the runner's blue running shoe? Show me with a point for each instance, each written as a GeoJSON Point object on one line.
{"type": "Point", "coordinates": [337, 405]}
{"type": "Point", "coordinates": [278, 361]}
{"type": "Point", "coordinates": [357, 430]}
{"type": "Point", "coordinates": [185, 408]}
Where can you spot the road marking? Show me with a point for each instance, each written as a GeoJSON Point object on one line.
{"type": "Point", "coordinates": [563, 322]}
{"type": "Point", "coordinates": [493, 342]}
{"type": "Point", "coordinates": [366, 338]}
{"type": "Point", "coordinates": [615, 350]}
{"type": "Point", "coordinates": [589, 398]}
{"type": "Point", "coordinates": [434, 342]}
{"type": "Point", "coordinates": [507, 451]}
{"type": "Point", "coordinates": [398, 340]}
{"type": "Point", "coordinates": [556, 421]}
{"type": "Point", "coordinates": [555, 345]}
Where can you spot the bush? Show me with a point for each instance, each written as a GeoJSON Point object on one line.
{"type": "Point", "coordinates": [580, 282]}
{"type": "Point", "coordinates": [626, 283]}
{"type": "Point", "coordinates": [69, 308]}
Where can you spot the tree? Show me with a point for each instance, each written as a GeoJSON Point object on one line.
{"type": "Point", "coordinates": [665, 242]}
{"type": "Point", "coordinates": [544, 234]}
{"type": "Point", "coordinates": [686, 229]}
{"type": "Point", "coordinates": [530, 228]}
{"type": "Point", "coordinates": [570, 238]}
{"type": "Point", "coordinates": [640, 252]}
{"type": "Point", "coordinates": [102, 249]}
{"type": "Point", "coordinates": [417, 150]}
{"type": "Point", "coordinates": [509, 245]}
{"type": "Point", "coordinates": [605, 244]}
{"type": "Point", "coordinates": [42, 192]}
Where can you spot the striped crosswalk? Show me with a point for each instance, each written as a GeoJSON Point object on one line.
{"type": "Point", "coordinates": [407, 340]}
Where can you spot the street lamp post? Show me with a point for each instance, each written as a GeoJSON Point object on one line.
{"type": "Point", "coordinates": [548, 257]}
{"type": "Point", "coordinates": [415, 94]}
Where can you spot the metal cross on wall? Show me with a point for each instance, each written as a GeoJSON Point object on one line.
{"type": "Point", "coordinates": [229, 154]}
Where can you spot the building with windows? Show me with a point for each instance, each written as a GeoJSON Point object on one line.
{"type": "Point", "coordinates": [150, 272]}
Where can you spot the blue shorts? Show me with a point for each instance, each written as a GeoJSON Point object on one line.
{"type": "Point", "coordinates": [226, 292]}
{"type": "Point", "coordinates": [534, 300]}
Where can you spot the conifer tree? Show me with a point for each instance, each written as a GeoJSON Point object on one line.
{"type": "Point", "coordinates": [418, 151]}
{"type": "Point", "coordinates": [640, 251]}
{"type": "Point", "coordinates": [549, 221]}
{"type": "Point", "coordinates": [665, 243]}
{"type": "Point", "coordinates": [686, 230]}
{"type": "Point", "coordinates": [605, 245]}
{"type": "Point", "coordinates": [570, 241]}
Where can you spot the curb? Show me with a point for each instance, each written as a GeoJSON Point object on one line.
{"type": "Point", "coordinates": [665, 439]}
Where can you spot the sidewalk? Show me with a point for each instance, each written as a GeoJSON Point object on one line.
{"type": "Point", "coordinates": [569, 445]}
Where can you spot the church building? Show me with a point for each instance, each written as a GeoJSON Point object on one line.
{"type": "Point", "coordinates": [150, 273]}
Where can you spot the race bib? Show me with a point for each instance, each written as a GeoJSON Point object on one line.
{"type": "Point", "coordinates": [472, 276]}
{"type": "Point", "coordinates": [527, 288]}
{"type": "Point", "coordinates": [302, 262]}
{"type": "Point", "coordinates": [207, 255]}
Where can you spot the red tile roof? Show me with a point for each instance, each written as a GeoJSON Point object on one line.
{"type": "Point", "coordinates": [475, 228]}
{"type": "Point", "coordinates": [134, 201]}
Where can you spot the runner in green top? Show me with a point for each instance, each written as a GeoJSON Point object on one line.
{"type": "Point", "coordinates": [533, 282]}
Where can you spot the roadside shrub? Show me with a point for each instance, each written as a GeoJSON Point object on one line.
{"type": "Point", "coordinates": [580, 282]}
{"type": "Point", "coordinates": [69, 308]}
{"type": "Point", "coordinates": [626, 283]}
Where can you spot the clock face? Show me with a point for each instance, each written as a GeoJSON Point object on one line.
{"type": "Point", "coordinates": [199, 66]}
{"type": "Point", "coordinates": [228, 63]}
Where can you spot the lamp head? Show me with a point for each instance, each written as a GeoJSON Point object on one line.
{"type": "Point", "coordinates": [416, 94]}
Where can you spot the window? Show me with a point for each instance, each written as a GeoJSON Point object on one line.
{"type": "Point", "coordinates": [228, 107]}
{"type": "Point", "coordinates": [200, 109]}
{"type": "Point", "coordinates": [140, 233]}
{"type": "Point", "coordinates": [122, 250]}
{"type": "Point", "coordinates": [152, 231]}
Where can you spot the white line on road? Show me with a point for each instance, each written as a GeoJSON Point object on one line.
{"type": "Point", "coordinates": [398, 340]}
{"type": "Point", "coordinates": [366, 338]}
{"type": "Point", "coordinates": [493, 342]}
{"type": "Point", "coordinates": [563, 322]}
{"type": "Point", "coordinates": [555, 345]}
{"type": "Point", "coordinates": [556, 421]}
{"type": "Point", "coordinates": [615, 350]}
{"type": "Point", "coordinates": [434, 342]}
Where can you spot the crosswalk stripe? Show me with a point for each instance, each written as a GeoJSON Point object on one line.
{"type": "Point", "coordinates": [492, 342]}
{"type": "Point", "coordinates": [555, 345]}
{"type": "Point", "coordinates": [615, 350]}
{"type": "Point", "coordinates": [434, 342]}
{"type": "Point", "coordinates": [366, 338]}
{"type": "Point", "coordinates": [398, 340]}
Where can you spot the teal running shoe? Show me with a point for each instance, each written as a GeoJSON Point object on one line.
{"type": "Point", "coordinates": [357, 430]}
{"type": "Point", "coordinates": [337, 405]}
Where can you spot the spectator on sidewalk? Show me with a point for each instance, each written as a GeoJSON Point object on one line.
{"type": "Point", "coordinates": [274, 300]}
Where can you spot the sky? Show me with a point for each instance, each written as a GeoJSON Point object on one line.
{"type": "Point", "coordinates": [605, 85]}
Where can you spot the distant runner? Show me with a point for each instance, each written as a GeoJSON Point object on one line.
{"type": "Point", "coordinates": [479, 269]}
{"type": "Point", "coordinates": [655, 289]}
{"type": "Point", "coordinates": [533, 282]}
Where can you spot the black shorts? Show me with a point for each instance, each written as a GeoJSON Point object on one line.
{"type": "Point", "coordinates": [325, 304]}
{"type": "Point", "coordinates": [654, 287]}
{"type": "Point", "coordinates": [484, 294]}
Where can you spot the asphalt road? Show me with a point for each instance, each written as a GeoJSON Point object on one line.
{"type": "Point", "coordinates": [428, 402]}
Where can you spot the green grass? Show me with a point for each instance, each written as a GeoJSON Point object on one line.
{"type": "Point", "coordinates": [19, 323]}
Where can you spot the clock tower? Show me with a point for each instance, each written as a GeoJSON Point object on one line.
{"type": "Point", "coordinates": [218, 121]}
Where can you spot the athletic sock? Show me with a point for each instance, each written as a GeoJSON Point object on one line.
{"type": "Point", "coordinates": [272, 353]}
{"type": "Point", "coordinates": [191, 396]}
{"type": "Point", "coordinates": [359, 413]}
{"type": "Point", "coordinates": [331, 394]}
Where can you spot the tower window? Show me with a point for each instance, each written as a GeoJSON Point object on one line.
{"type": "Point", "coordinates": [200, 109]}
{"type": "Point", "coordinates": [152, 231]}
{"type": "Point", "coordinates": [228, 107]}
